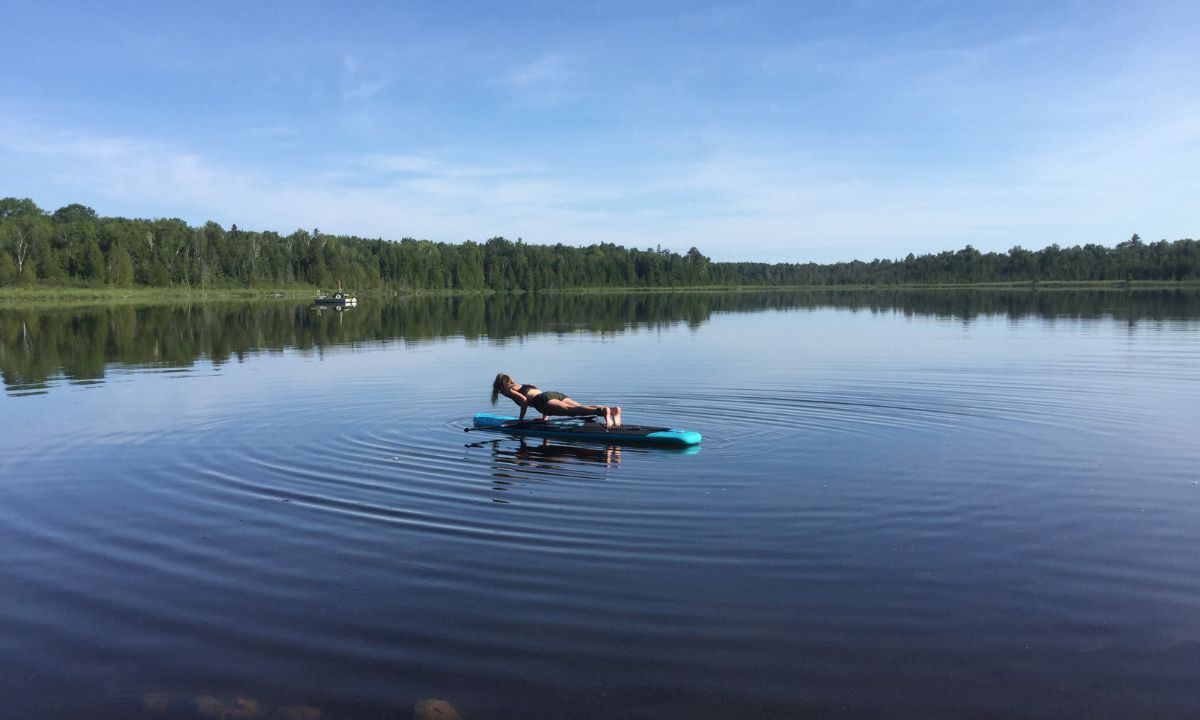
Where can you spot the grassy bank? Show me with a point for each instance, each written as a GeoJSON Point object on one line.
{"type": "Point", "coordinates": [52, 295]}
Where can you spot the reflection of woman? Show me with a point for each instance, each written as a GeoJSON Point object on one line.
{"type": "Point", "coordinates": [547, 451]}
{"type": "Point", "coordinates": [548, 402]}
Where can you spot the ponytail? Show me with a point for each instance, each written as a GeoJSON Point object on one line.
{"type": "Point", "coordinates": [502, 381]}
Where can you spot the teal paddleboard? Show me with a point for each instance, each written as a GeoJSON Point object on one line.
{"type": "Point", "coordinates": [588, 430]}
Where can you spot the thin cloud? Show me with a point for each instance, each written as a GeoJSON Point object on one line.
{"type": "Point", "coordinates": [741, 199]}
{"type": "Point", "coordinates": [552, 69]}
{"type": "Point", "coordinates": [441, 201]}
{"type": "Point", "coordinates": [429, 165]}
{"type": "Point", "coordinates": [356, 84]}
{"type": "Point", "coordinates": [549, 79]}
{"type": "Point", "coordinates": [400, 164]}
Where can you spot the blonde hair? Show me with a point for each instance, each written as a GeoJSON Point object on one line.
{"type": "Point", "coordinates": [502, 381]}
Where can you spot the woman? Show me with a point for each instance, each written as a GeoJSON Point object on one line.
{"type": "Point", "coordinates": [548, 402]}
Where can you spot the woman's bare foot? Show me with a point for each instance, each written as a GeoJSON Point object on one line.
{"type": "Point", "coordinates": [616, 416]}
{"type": "Point", "coordinates": [608, 417]}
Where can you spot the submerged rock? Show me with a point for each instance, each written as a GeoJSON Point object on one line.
{"type": "Point", "coordinates": [208, 706]}
{"type": "Point", "coordinates": [298, 712]}
{"type": "Point", "coordinates": [434, 709]}
{"type": "Point", "coordinates": [155, 703]}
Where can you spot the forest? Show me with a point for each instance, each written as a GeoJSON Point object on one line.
{"type": "Point", "coordinates": [74, 246]}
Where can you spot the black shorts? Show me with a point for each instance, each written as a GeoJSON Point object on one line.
{"type": "Point", "coordinates": [539, 401]}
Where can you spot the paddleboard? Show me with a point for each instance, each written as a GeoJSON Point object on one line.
{"type": "Point", "coordinates": [588, 430]}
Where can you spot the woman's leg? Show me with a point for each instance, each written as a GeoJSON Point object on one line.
{"type": "Point", "coordinates": [570, 408]}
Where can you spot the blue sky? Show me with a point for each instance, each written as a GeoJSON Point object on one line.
{"type": "Point", "coordinates": [775, 131]}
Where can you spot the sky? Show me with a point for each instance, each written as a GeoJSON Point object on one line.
{"type": "Point", "coordinates": [764, 131]}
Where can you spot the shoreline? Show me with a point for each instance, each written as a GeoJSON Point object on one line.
{"type": "Point", "coordinates": [65, 295]}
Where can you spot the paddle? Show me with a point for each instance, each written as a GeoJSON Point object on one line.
{"type": "Point", "coordinates": [529, 423]}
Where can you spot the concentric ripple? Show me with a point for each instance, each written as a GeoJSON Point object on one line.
{"type": "Point", "coordinates": [885, 518]}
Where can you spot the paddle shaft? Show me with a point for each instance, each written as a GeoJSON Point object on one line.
{"type": "Point", "coordinates": [513, 424]}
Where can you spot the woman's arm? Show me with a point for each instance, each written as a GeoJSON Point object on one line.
{"type": "Point", "coordinates": [519, 399]}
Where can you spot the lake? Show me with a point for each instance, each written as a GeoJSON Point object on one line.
{"type": "Point", "coordinates": [906, 505]}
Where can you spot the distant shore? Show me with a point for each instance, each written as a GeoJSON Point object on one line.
{"type": "Point", "coordinates": [59, 295]}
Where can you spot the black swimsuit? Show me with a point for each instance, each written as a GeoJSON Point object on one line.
{"type": "Point", "coordinates": [539, 401]}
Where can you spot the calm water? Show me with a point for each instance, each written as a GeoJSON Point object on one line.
{"type": "Point", "coordinates": [906, 505]}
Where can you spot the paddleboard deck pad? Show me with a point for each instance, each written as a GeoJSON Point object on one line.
{"type": "Point", "coordinates": [587, 429]}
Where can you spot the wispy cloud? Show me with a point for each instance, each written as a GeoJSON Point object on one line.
{"type": "Point", "coordinates": [750, 130]}
{"type": "Point", "coordinates": [273, 131]}
{"type": "Point", "coordinates": [413, 195]}
{"type": "Point", "coordinates": [549, 79]}
{"type": "Point", "coordinates": [739, 198]}
{"type": "Point", "coordinates": [400, 164]}
{"type": "Point", "coordinates": [430, 165]}
{"type": "Point", "coordinates": [357, 84]}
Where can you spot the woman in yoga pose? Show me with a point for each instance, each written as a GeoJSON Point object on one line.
{"type": "Point", "coordinates": [549, 402]}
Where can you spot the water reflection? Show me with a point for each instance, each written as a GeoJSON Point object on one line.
{"type": "Point", "coordinates": [41, 348]}
{"type": "Point", "coordinates": [551, 456]}
{"type": "Point", "coordinates": [517, 461]}
{"type": "Point", "coordinates": [335, 309]}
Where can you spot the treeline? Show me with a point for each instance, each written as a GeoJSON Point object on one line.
{"type": "Point", "coordinates": [73, 245]}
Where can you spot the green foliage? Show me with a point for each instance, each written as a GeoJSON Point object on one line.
{"type": "Point", "coordinates": [8, 270]}
{"type": "Point", "coordinates": [119, 268]}
{"type": "Point", "coordinates": [75, 245]}
{"type": "Point", "coordinates": [29, 275]}
{"type": "Point", "coordinates": [14, 207]}
{"type": "Point", "coordinates": [74, 213]}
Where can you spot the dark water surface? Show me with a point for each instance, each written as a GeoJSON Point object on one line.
{"type": "Point", "coordinates": [906, 505]}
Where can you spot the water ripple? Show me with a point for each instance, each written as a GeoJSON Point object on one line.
{"type": "Point", "coordinates": [304, 541]}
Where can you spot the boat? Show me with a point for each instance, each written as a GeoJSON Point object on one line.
{"type": "Point", "coordinates": [588, 430]}
{"type": "Point", "coordinates": [338, 299]}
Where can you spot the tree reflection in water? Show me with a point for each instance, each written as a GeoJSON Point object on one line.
{"type": "Point", "coordinates": [39, 347]}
